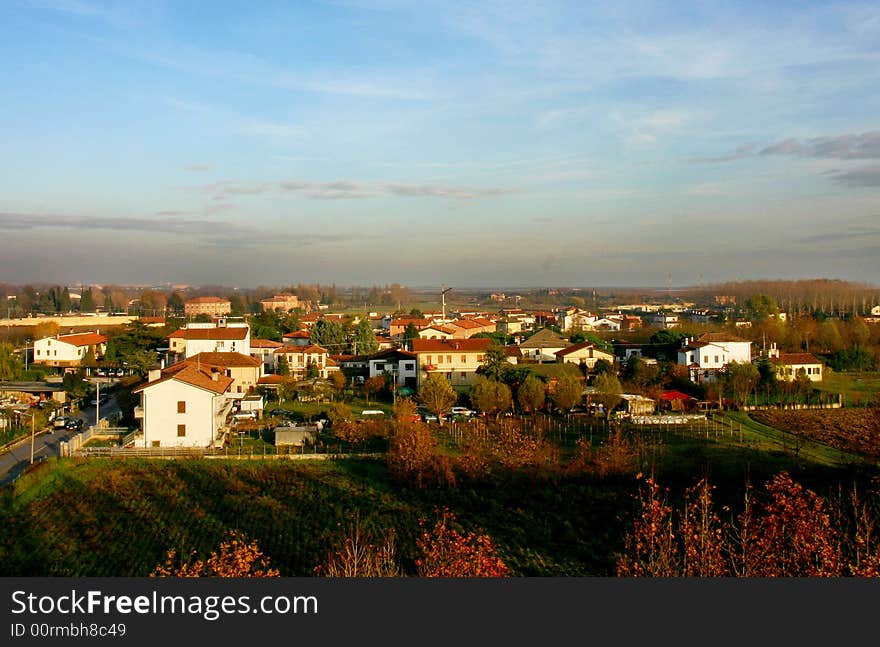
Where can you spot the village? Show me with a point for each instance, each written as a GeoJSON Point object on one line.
{"type": "Point", "coordinates": [201, 384]}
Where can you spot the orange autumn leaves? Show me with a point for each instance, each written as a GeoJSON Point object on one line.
{"type": "Point", "coordinates": [785, 530]}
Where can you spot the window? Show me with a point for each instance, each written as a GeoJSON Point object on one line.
{"type": "Point", "coordinates": [157, 443]}
{"type": "Point", "coordinates": [479, 358]}
{"type": "Point", "coordinates": [716, 359]}
{"type": "Point", "coordinates": [705, 359]}
{"type": "Point", "coordinates": [464, 359]}
{"type": "Point", "coordinates": [428, 359]}
{"type": "Point", "coordinates": [181, 430]}
{"type": "Point", "coordinates": [439, 359]}
{"type": "Point", "coordinates": [463, 374]}
{"type": "Point", "coordinates": [228, 372]}
{"type": "Point", "coordinates": [181, 406]}
{"type": "Point", "coordinates": [38, 351]}
{"type": "Point", "coordinates": [449, 359]}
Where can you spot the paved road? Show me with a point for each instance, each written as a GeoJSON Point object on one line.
{"type": "Point", "coordinates": [46, 443]}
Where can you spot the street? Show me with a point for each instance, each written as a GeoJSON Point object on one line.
{"type": "Point", "coordinates": [46, 443]}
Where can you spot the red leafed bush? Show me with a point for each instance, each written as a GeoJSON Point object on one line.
{"type": "Point", "coordinates": [446, 552]}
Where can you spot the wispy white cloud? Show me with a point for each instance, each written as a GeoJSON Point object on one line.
{"type": "Point", "coordinates": [351, 189]}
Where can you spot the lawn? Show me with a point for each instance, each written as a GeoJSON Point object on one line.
{"type": "Point", "coordinates": [858, 387]}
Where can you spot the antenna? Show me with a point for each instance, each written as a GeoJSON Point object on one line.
{"type": "Point", "coordinates": [443, 299]}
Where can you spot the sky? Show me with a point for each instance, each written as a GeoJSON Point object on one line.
{"type": "Point", "coordinates": [470, 144]}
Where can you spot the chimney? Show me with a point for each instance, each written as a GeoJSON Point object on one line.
{"type": "Point", "coordinates": [154, 375]}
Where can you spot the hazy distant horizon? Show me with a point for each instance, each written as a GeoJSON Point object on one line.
{"type": "Point", "coordinates": [484, 144]}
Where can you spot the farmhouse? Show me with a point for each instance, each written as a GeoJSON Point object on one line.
{"type": "Point", "coordinates": [221, 337]}
{"type": "Point", "coordinates": [706, 356]}
{"type": "Point", "coordinates": [69, 350]}
{"type": "Point", "coordinates": [542, 346]}
{"type": "Point", "coordinates": [789, 365]}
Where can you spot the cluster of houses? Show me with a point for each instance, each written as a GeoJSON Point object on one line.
{"type": "Point", "coordinates": [210, 368]}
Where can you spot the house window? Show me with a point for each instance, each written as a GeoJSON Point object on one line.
{"type": "Point", "coordinates": [181, 430]}
{"type": "Point", "coordinates": [157, 443]}
{"type": "Point", "coordinates": [228, 372]}
{"type": "Point", "coordinates": [428, 358]}
{"type": "Point", "coordinates": [463, 375]}
{"type": "Point", "coordinates": [380, 368]}
{"type": "Point", "coordinates": [38, 352]}
{"type": "Point", "coordinates": [439, 359]}
{"type": "Point", "coordinates": [705, 359]}
{"type": "Point", "coordinates": [479, 358]}
{"type": "Point", "coordinates": [449, 359]}
{"type": "Point", "coordinates": [716, 359]}
{"type": "Point", "coordinates": [181, 406]}
{"type": "Point", "coordinates": [692, 357]}
{"type": "Point", "coordinates": [463, 359]}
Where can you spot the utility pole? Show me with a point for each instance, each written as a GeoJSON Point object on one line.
{"type": "Point", "coordinates": [33, 435]}
{"type": "Point", "coordinates": [443, 299]}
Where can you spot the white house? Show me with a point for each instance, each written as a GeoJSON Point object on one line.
{"type": "Point", "coordinates": [711, 352]}
{"type": "Point", "coordinates": [186, 408]}
{"type": "Point", "coordinates": [221, 337]}
{"type": "Point", "coordinates": [436, 331]}
{"type": "Point", "coordinates": [264, 351]}
{"type": "Point", "coordinates": [788, 365]}
{"type": "Point", "coordinates": [68, 350]}
{"type": "Point", "coordinates": [402, 364]}
{"type": "Point", "coordinates": [299, 358]}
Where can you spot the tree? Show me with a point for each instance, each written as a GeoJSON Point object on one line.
{"type": "Point", "coordinates": [608, 392]}
{"type": "Point", "coordinates": [312, 371]}
{"type": "Point", "coordinates": [373, 385]}
{"type": "Point", "coordinates": [436, 394]}
{"type": "Point", "coordinates": [283, 365]}
{"type": "Point", "coordinates": [329, 334]}
{"type": "Point", "coordinates": [11, 365]}
{"type": "Point", "coordinates": [411, 331]}
{"type": "Point", "coordinates": [238, 557]}
{"type": "Point", "coordinates": [364, 338]}
{"type": "Point", "coordinates": [603, 366]}
{"type": "Point", "coordinates": [337, 379]}
{"type": "Point", "coordinates": [639, 373]}
{"type": "Point", "coordinates": [490, 396]}
{"type": "Point", "coordinates": [411, 447]}
{"type": "Point", "coordinates": [568, 392]}
{"type": "Point", "coordinates": [495, 364]}
{"type": "Point", "coordinates": [741, 379]}
{"type": "Point", "coordinates": [760, 306]}
{"type": "Point", "coordinates": [532, 395]}
{"type": "Point", "coordinates": [87, 302]}
{"type": "Point", "coordinates": [448, 552]}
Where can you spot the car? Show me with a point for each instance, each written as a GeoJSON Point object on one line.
{"type": "Point", "coordinates": [60, 423]}
{"type": "Point", "coordinates": [245, 415]}
{"type": "Point", "coordinates": [461, 411]}
{"type": "Point", "coordinates": [74, 424]}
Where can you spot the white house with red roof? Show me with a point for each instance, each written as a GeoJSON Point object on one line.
{"type": "Point", "coordinates": [244, 370]}
{"type": "Point", "coordinates": [221, 337]}
{"type": "Point", "coordinates": [400, 363]}
{"type": "Point", "coordinates": [186, 407]}
{"type": "Point", "coordinates": [264, 351]}
{"type": "Point", "coordinates": [457, 359]}
{"type": "Point", "coordinates": [69, 350]}
{"type": "Point", "coordinates": [789, 365]}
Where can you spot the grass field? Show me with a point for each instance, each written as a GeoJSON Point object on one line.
{"type": "Point", "coordinates": [858, 387]}
{"type": "Point", "coordinates": [103, 517]}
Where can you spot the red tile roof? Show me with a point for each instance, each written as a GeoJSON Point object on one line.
{"type": "Point", "coordinates": [194, 377]}
{"type": "Point", "coordinates": [713, 337]}
{"type": "Point", "coordinates": [576, 347]}
{"type": "Point", "coordinates": [206, 300]}
{"type": "Point", "coordinates": [311, 348]}
{"type": "Point", "coordinates": [210, 333]}
{"type": "Point", "coordinates": [83, 339]}
{"type": "Point", "coordinates": [450, 345]}
{"type": "Point", "coordinates": [225, 360]}
{"type": "Point", "coordinates": [265, 343]}
{"type": "Point", "coordinates": [796, 359]}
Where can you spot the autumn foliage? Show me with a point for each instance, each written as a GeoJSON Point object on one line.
{"type": "Point", "coordinates": [237, 557]}
{"type": "Point", "coordinates": [785, 530]}
{"type": "Point", "coordinates": [446, 552]}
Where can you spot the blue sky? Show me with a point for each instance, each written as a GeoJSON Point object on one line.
{"type": "Point", "coordinates": [427, 143]}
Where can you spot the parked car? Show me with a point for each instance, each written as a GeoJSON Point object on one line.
{"type": "Point", "coordinates": [74, 424]}
{"type": "Point", "coordinates": [245, 415]}
{"type": "Point", "coordinates": [462, 411]}
{"type": "Point", "coordinates": [60, 423]}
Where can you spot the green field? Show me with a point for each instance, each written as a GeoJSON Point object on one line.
{"type": "Point", "coordinates": [103, 517]}
{"type": "Point", "coordinates": [858, 387]}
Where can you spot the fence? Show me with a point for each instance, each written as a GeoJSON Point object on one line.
{"type": "Point", "coordinates": [231, 453]}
